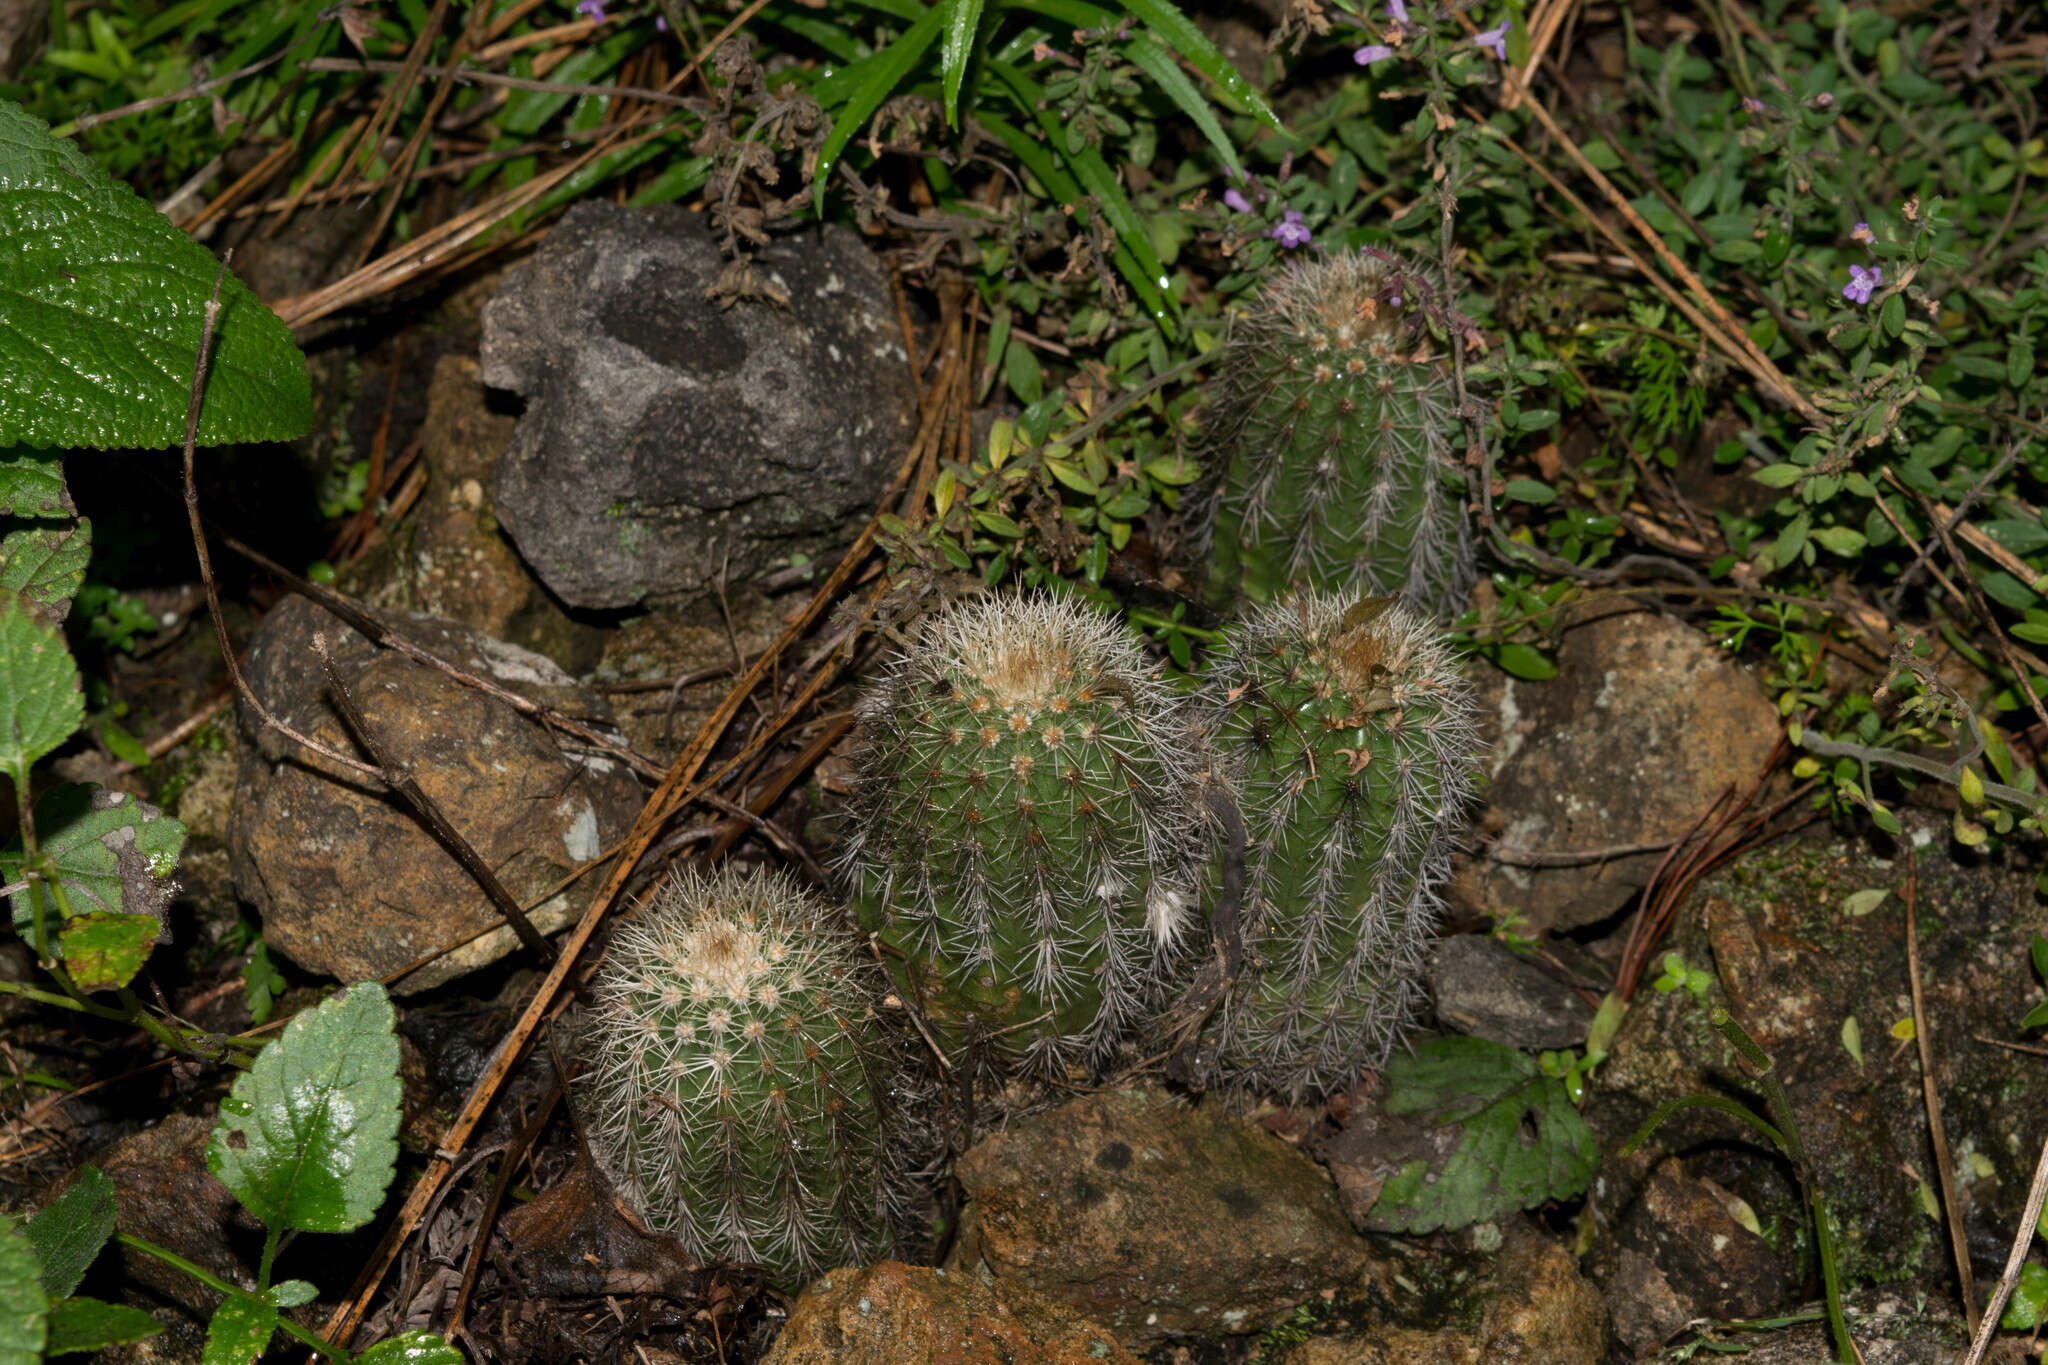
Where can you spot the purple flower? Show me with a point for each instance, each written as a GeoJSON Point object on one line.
{"type": "Point", "coordinates": [1290, 231]}
{"type": "Point", "coordinates": [1861, 282]}
{"type": "Point", "coordinates": [591, 9]}
{"type": "Point", "coordinates": [1372, 52]}
{"type": "Point", "coordinates": [1862, 233]}
{"type": "Point", "coordinates": [1236, 202]}
{"type": "Point", "coordinates": [1752, 105]}
{"type": "Point", "coordinates": [1398, 12]}
{"type": "Point", "coordinates": [1824, 100]}
{"type": "Point", "coordinates": [1495, 38]}
{"type": "Point", "coordinates": [660, 24]}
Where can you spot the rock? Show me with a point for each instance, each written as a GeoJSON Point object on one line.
{"type": "Point", "coordinates": [1484, 988]}
{"type": "Point", "coordinates": [1794, 965]}
{"type": "Point", "coordinates": [348, 882]}
{"type": "Point", "coordinates": [896, 1314]}
{"type": "Point", "coordinates": [164, 1194]}
{"type": "Point", "coordinates": [1643, 726]}
{"type": "Point", "coordinates": [670, 643]}
{"type": "Point", "coordinates": [22, 26]}
{"type": "Point", "coordinates": [1154, 1219]}
{"type": "Point", "coordinates": [1690, 1250]}
{"type": "Point", "coordinates": [667, 441]}
{"type": "Point", "coordinates": [448, 557]}
{"type": "Point", "coordinates": [1530, 1305]}
{"type": "Point", "coordinates": [1890, 1329]}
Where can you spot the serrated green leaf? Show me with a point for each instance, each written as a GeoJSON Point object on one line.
{"type": "Point", "coordinates": [80, 1324]}
{"type": "Point", "coordinates": [1495, 1167]}
{"type": "Point", "coordinates": [877, 76]}
{"type": "Point", "coordinates": [69, 1231]}
{"type": "Point", "coordinates": [101, 303]}
{"type": "Point", "coordinates": [40, 704]}
{"type": "Point", "coordinates": [1155, 62]}
{"type": "Point", "coordinates": [2028, 1306]}
{"type": "Point", "coordinates": [963, 18]}
{"type": "Point", "coordinates": [32, 484]}
{"type": "Point", "coordinates": [104, 951]}
{"type": "Point", "coordinates": [292, 1293]}
{"type": "Point", "coordinates": [24, 1311]}
{"type": "Point", "coordinates": [46, 564]}
{"type": "Point", "coordinates": [414, 1348]}
{"type": "Point", "coordinates": [240, 1329]}
{"type": "Point", "coordinates": [308, 1138]}
{"type": "Point", "coordinates": [1525, 661]}
{"type": "Point", "coordinates": [112, 853]}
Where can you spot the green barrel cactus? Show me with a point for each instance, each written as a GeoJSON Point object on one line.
{"type": "Point", "coordinates": [1331, 444]}
{"type": "Point", "coordinates": [1022, 830]}
{"type": "Point", "coordinates": [738, 1087]}
{"type": "Point", "coordinates": [1349, 741]}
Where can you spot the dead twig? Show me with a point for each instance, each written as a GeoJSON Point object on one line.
{"type": "Point", "coordinates": [1993, 1311]}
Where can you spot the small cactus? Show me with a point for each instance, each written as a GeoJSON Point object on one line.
{"type": "Point", "coordinates": [1022, 829]}
{"type": "Point", "coordinates": [1332, 440]}
{"type": "Point", "coordinates": [1349, 742]}
{"type": "Point", "coordinates": [738, 1085]}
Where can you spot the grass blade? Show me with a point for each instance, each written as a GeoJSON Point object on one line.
{"type": "Point", "coordinates": [963, 19]}
{"type": "Point", "coordinates": [880, 74]}
{"type": "Point", "coordinates": [1157, 63]}
{"type": "Point", "coordinates": [1178, 32]}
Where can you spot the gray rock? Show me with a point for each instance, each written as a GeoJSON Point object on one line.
{"type": "Point", "coordinates": [666, 440]}
{"type": "Point", "coordinates": [1643, 726]}
{"type": "Point", "coordinates": [22, 26]}
{"type": "Point", "coordinates": [1482, 987]}
{"type": "Point", "coordinates": [347, 880]}
{"type": "Point", "coordinates": [1154, 1219]}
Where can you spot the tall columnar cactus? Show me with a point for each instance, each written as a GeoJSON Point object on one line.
{"type": "Point", "coordinates": [738, 1088]}
{"type": "Point", "coordinates": [1022, 828]}
{"type": "Point", "coordinates": [1332, 437]}
{"type": "Point", "coordinates": [1349, 741]}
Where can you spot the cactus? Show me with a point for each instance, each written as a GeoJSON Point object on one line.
{"type": "Point", "coordinates": [1332, 440]}
{"type": "Point", "coordinates": [739, 1090]}
{"type": "Point", "coordinates": [1022, 829]}
{"type": "Point", "coordinates": [1349, 742]}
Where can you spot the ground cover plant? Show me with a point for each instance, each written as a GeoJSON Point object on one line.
{"type": "Point", "coordinates": [1731, 311]}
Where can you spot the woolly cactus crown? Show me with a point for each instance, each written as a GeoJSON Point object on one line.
{"type": "Point", "coordinates": [739, 1090]}
{"type": "Point", "coordinates": [1022, 827]}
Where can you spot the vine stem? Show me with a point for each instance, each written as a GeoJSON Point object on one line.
{"type": "Point", "coordinates": [213, 1281]}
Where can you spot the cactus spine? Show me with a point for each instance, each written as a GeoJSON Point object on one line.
{"type": "Point", "coordinates": [1022, 828]}
{"type": "Point", "coordinates": [737, 1086]}
{"type": "Point", "coordinates": [1349, 741]}
{"type": "Point", "coordinates": [1332, 442]}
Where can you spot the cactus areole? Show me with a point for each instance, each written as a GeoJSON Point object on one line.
{"type": "Point", "coordinates": [1022, 828]}
{"type": "Point", "coordinates": [1332, 436]}
{"type": "Point", "coordinates": [1349, 740]}
{"type": "Point", "coordinates": [737, 1084]}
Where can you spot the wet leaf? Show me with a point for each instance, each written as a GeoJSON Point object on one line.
{"type": "Point", "coordinates": [32, 484]}
{"type": "Point", "coordinates": [69, 1231]}
{"type": "Point", "coordinates": [111, 853]}
{"type": "Point", "coordinates": [414, 1348]}
{"type": "Point", "coordinates": [104, 951]}
{"type": "Point", "coordinates": [308, 1137]}
{"type": "Point", "coordinates": [24, 1311]}
{"type": "Point", "coordinates": [2028, 1306]}
{"type": "Point", "coordinates": [46, 564]}
{"type": "Point", "coordinates": [240, 1329]}
{"type": "Point", "coordinates": [80, 1324]}
{"type": "Point", "coordinates": [40, 704]}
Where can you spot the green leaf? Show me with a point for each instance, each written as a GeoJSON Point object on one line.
{"type": "Point", "coordinates": [46, 564]}
{"type": "Point", "coordinates": [1840, 539]}
{"type": "Point", "coordinates": [69, 1231]}
{"type": "Point", "coordinates": [292, 1293]}
{"type": "Point", "coordinates": [2021, 536]}
{"type": "Point", "coordinates": [112, 853]}
{"type": "Point", "coordinates": [1852, 1039]}
{"type": "Point", "coordinates": [1530, 490]}
{"type": "Point", "coordinates": [2028, 1305]}
{"type": "Point", "coordinates": [414, 1348]}
{"type": "Point", "coordinates": [1179, 33]}
{"type": "Point", "coordinates": [963, 19]}
{"type": "Point", "coordinates": [2019, 363]}
{"type": "Point", "coordinates": [1778, 475]}
{"type": "Point", "coordinates": [1496, 1096]}
{"type": "Point", "coordinates": [240, 1329]}
{"type": "Point", "coordinates": [82, 1324]}
{"type": "Point", "coordinates": [308, 1137]}
{"type": "Point", "coordinates": [101, 303]}
{"type": "Point", "coordinates": [1525, 661]}
{"type": "Point", "coordinates": [1155, 62]}
{"type": "Point", "coordinates": [32, 484]}
{"type": "Point", "coordinates": [104, 951]}
{"type": "Point", "coordinates": [878, 75]}
{"type": "Point", "coordinates": [262, 983]}
{"type": "Point", "coordinates": [1861, 903]}
{"type": "Point", "coordinates": [40, 704]}
{"type": "Point", "coordinates": [1737, 252]}
{"type": "Point", "coordinates": [2036, 1017]}
{"type": "Point", "coordinates": [1893, 315]}
{"type": "Point", "coordinates": [24, 1311]}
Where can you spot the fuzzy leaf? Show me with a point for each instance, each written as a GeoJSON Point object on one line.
{"type": "Point", "coordinates": [32, 484]}
{"type": "Point", "coordinates": [292, 1293]}
{"type": "Point", "coordinates": [240, 1329]}
{"type": "Point", "coordinates": [80, 1324]}
{"type": "Point", "coordinates": [40, 704]}
{"type": "Point", "coordinates": [46, 564]}
{"type": "Point", "coordinates": [104, 951]}
{"type": "Point", "coordinates": [414, 1348]}
{"type": "Point", "coordinates": [309, 1136]}
{"type": "Point", "coordinates": [112, 854]}
{"type": "Point", "coordinates": [1520, 1141]}
{"type": "Point", "coordinates": [2028, 1305]}
{"type": "Point", "coordinates": [24, 1311]}
{"type": "Point", "coordinates": [69, 1231]}
{"type": "Point", "coordinates": [101, 301]}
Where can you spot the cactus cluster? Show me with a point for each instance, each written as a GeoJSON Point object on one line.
{"type": "Point", "coordinates": [1332, 441]}
{"type": "Point", "coordinates": [1023, 829]}
{"type": "Point", "coordinates": [739, 1090]}
{"type": "Point", "coordinates": [1348, 739]}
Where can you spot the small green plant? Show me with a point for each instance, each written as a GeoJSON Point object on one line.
{"type": "Point", "coordinates": [306, 1141]}
{"type": "Point", "coordinates": [1780, 1128]}
{"type": "Point", "coordinates": [739, 1089]}
{"type": "Point", "coordinates": [1574, 1065]}
{"type": "Point", "coordinates": [1332, 441]}
{"type": "Point", "coordinates": [1348, 739]}
{"type": "Point", "coordinates": [1023, 828]}
{"type": "Point", "coordinates": [2037, 952]}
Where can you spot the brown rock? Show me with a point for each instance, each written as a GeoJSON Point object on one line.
{"type": "Point", "coordinates": [347, 880]}
{"type": "Point", "coordinates": [895, 1314]}
{"type": "Point", "coordinates": [673, 643]}
{"type": "Point", "coordinates": [1685, 1255]}
{"type": "Point", "coordinates": [1643, 726]}
{"type": "Point", "coordinates": [1155, 1219]}
{"type": "Point", "coordinates": [164, 1194]}
{"type": "Point", "coordinates": [22, 25]}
